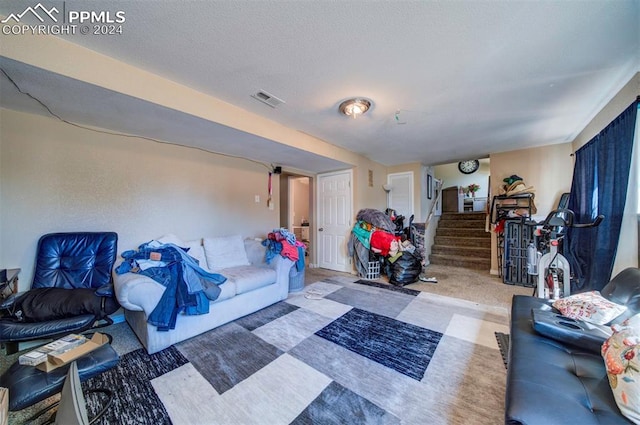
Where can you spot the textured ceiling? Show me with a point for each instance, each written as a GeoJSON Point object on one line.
{"type": "Point", "coordinates": [449, 80]}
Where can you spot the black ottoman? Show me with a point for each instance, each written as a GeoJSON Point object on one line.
{"type": "Point", "coordinates": [28, 385]}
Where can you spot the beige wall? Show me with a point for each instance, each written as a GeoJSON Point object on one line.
{"type": "Point", "coordinates": [301, 200]}
{"type": "Point", "coordinates": [548, 169]}
{"type": "Point", "coordinates": [55, 177]}
{"type": "Point", "coordinates": [369, 196]}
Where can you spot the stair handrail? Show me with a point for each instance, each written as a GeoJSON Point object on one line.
{"type": "Point", "coordinates": [435, 202]}
{"type": "Point", "coordinates": [438, 187]}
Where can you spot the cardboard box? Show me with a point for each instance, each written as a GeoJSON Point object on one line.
{"type": "Point", "coordinates": [54, 361]}
{"type": "Point", "coordinates": [59, 346]}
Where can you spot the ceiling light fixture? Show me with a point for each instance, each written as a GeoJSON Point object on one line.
{"type": "Point", "coordinates": [354, 107]}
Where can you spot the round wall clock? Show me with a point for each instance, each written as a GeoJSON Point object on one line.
{"type": "Point", "coordinates": [468, 167]}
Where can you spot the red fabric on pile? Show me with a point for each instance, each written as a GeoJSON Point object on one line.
{"type": "Point", "coordinates": [289, 251]}
{"type": "Point", "coordinates": [381, 241]}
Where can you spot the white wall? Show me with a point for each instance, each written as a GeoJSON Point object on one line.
{"type": "Point", "coordinates": [451, 176]}
{"type": "Point", "coordinates": [59, 178]}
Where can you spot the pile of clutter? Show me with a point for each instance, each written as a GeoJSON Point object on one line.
{"type": "Point", "coordinates": [283, 242]}
{"type": "Point", "coordinates": [376, 240]}
{"type": "Point", "coordinates": [514, 185]}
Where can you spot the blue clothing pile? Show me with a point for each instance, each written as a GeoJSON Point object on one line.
{"type": "Point", "coordinates": [188, 287]}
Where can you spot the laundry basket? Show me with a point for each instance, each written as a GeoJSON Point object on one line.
{"type": "Point", "coordinates": [296, 279]}
{"type": "Point", "coordinates": [373, 270]}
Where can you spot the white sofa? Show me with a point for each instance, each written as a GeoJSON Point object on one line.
{"type": "Point", "coordinates": [251, 285]}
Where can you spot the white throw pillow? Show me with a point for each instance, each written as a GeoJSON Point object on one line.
{"type": "Point", "coordinates": [590, 307]}
{"type": "Point", "coordinates": [172, 239]}
{"type": "Point", "coordinates": [196, 250]}
{"type": "Point", "coordinates": [195, 247]}
{"type": "Point", "coordinates": [224, 252]}
{"type": "Point", "coordinates": [620, 353]}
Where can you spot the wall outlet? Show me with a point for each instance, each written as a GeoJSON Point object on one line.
{"type": "Point", "coordinates": [257, 199]}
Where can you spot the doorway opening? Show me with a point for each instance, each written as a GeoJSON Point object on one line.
{"type": "Point", "coordinates": [296, 209]}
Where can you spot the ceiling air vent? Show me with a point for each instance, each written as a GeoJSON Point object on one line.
{"type": "Point", "coordinates": [267, 98]}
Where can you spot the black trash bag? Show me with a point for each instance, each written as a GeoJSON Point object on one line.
{"type": "Point", "coordinates": [404, 270]}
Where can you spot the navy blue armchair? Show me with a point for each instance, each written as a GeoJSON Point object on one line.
{"type": "Point", "coordinates": [72, 289]}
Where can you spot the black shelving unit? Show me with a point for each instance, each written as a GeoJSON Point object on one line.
{"type": "Point", "coordinates": [502, 204]}
{"type": "Point", "coordinates": [513, 240]}
{"type": "Point", "coordinates": [517, 236]}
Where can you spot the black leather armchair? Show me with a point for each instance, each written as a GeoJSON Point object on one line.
{"type": "Point", "coordinates": [72, 289]}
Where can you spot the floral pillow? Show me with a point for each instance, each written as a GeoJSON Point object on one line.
{"type": "Point", "coordinates": [590, 307]}
{"type": "Point", "coordinates": [620, 353]}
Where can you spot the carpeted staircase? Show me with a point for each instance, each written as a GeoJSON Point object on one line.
{"type": "Point", "coordinates": [461, 241]}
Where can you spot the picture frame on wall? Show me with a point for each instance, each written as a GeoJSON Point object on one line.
{"type": "Point", "coordinates": [429, 186]}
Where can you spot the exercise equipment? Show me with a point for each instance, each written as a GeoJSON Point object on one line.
{"type": "Point", "coordinates": [552, 268]}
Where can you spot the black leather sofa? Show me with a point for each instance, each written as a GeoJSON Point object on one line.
{"type": "Point", "coordinates": [562, 379]}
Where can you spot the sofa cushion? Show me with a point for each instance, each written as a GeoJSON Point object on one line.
{"type": "Point", "coordinates": [620, 353]}
{"type": "Point", "coordinates": [248, 278]}
{"type": "Point", "coordinates": [194, 247]}
{"type": "Point", "coordinates": [196, 250]}
{"type": "Point", "coordinates": [255, 252]}
{"type": "Point", "coordinates": [590, 307]}
{"type": "Point", "coordinates": [227, 290]}
{"type": "Point", "coordinates": [172, 239]}
{"type": "Point", "coordinates": [224, 252]}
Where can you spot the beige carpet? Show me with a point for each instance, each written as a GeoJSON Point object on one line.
{"type": "Point", "coordinates": [471, 285]}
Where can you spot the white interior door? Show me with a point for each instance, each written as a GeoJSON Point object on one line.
{"type": "Point", "coordinates": [401, 193]}
{"type": "Point", "coordinates": [335, 205]}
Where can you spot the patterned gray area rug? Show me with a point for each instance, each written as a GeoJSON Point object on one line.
{"type": "Point", "coordinates": [358, 354]}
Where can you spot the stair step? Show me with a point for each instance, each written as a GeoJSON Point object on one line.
{"type": "Point", "coordinates": [461, 241]}
{"type": "Point", "coordinates": [476, 216]}
{"type": "Point", "coordinates": [483, 242]}
{"type": "Point", "coordinates": [461, 261]}
{"type": "Point", "coordinates": [468, 251]}
{"type": "Point", "coordinates": [470, 224]}
{"type": "Point", "coordinates": [462, 232]}
{"type": "Point", "coordinates": [461, 224]}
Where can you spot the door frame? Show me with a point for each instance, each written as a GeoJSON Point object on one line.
{"type": "Point", "coordinates": [319, 205]}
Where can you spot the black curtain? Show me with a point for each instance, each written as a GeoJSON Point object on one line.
{"type": "Point", "coordinates": [599, 186]}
